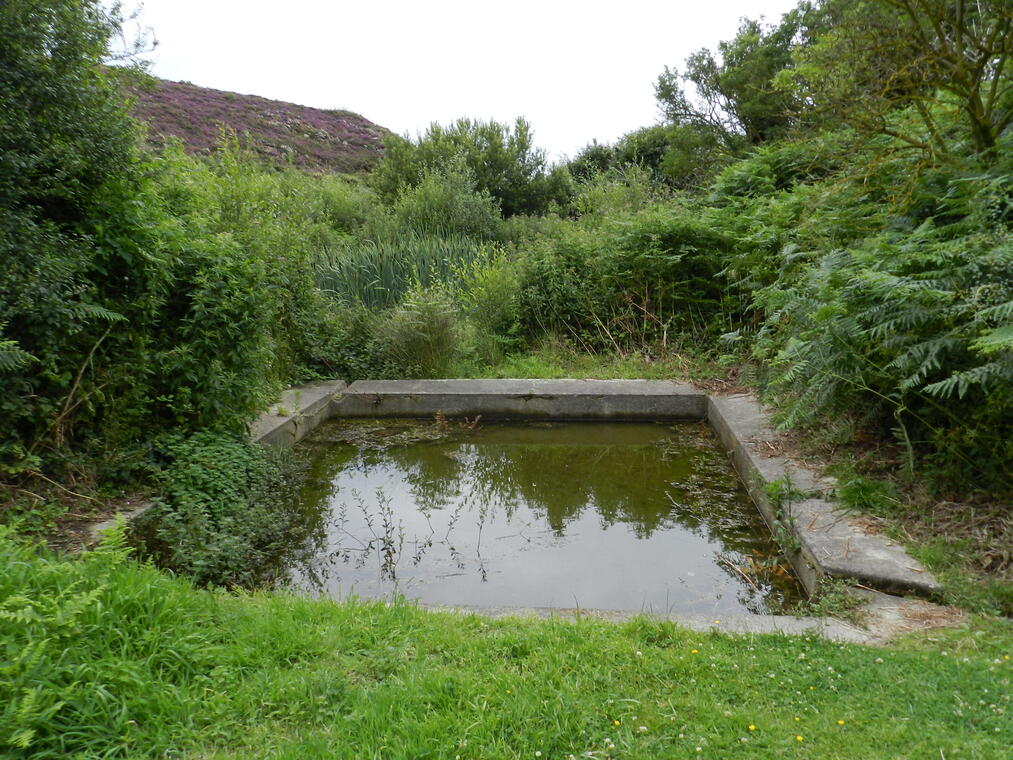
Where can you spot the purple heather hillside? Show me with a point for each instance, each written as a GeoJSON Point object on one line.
{"type": "Point", "coordinates": [282, 133]}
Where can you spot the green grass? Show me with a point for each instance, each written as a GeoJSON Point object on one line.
{"type": "Point", "coordinates": [554, 358]}
{"type": "Point", "coordinates": [105, 658]}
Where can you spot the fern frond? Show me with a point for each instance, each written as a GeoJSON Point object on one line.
{"type": "Point", "coordinates": [994, 341]}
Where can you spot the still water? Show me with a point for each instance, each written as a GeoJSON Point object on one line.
{"type": "Point", "coordinates": [620, 516]}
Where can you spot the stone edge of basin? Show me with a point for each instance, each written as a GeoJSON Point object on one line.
{"type": "Point", "coordinates": [829, 628]}
{"type": "Point", "coordinates": [831, 543]}
{"type": "Point", "coordinates": [884, 617]}
{"type": "Point", "coordinates": [522, 399]}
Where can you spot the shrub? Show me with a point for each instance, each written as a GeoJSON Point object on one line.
{"type": "Point", "coordinates": [446, 202]}
{"type": "Point", "coordinates": [627, 281]}
{"type": "Point", "coordinates": [420, 336]}
{"type": "Point", "coordinates": [221, 515]}
{"type": "Point", "coordinates": [504, 161]}
{"type": "Point", "coordinates": [488, 292]}
{"type": "Point", "coordinates": [67, 171]}
{"type": "Point", "coordinates": [615, 192]}
{"type": "Point", "coordinates": [911, 328]}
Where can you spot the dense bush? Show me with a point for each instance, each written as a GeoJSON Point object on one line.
{"type": "Point", "coordinates": [221, 514]}
{"type": "Point", "coordinates": [504, 161]}
{"type": "Point", "coordinates": [780, 166]}
{"type": "Point", "coordinates": [487, 291]}
{"type": "Point", "coordinates": [909, 326]}
{"type": "Point", "coordinates": [67, 176]}
{"type": "Point", "coordinates": [677, 155]}
{"type": "Point", "coordinates": [614, 193]}
{"type": "Point", "coordinates": [138, 293]}
{"type": "Point", "coordinates": [420, 337]}
{"type": "Point", "coordinates": [447, 202]}
{"type": "Point", "coordinates": [629, 280]}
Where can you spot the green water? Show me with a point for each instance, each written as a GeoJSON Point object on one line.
{"type": "Point", "coordinates": [621, 516]}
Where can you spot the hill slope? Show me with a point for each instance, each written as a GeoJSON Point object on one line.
{"type": "Point", "coordinates": [282, 133]}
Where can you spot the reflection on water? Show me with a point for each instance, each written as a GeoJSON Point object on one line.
{"type": "Point", "coordinates": [594, 515]}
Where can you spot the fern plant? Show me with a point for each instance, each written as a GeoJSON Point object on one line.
{"type": "Point", "coordinates": [910, 331]}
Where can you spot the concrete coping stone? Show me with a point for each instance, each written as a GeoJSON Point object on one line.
{"type": "Point", "coordinates": [738, 623]}
{"type": "Point", "coordinates": [298, 412]}
{"type": "Point", "coordinates": [829, 542]}
{"type": "Point", "coordinates": [523, 399]}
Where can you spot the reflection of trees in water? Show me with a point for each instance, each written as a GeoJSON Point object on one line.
{"type": "Point", "coordinates": [637, 485]}
{"type": "Point", "coordinates": [682, 478]}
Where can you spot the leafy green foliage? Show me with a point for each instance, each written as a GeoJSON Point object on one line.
{"type": "Point", "coordinates": [141, 293]}
{"type": "Point", "coordinates": [65, 174]}
{"type": "Point", "coordinates": [487, 292]}
{"type": "Point", "coordinates": [628, 280]}
{"type": "Point", "coordinates": [221, 514]}
{"type": "Point", "coordinates": [447, 202]}
{"type": "Point", "coordinates": [420, 336]}
{"type": "Point", "coordinates": [504, 161]}
{"type": "Point", "coordinates": [678, 155]}
{"type": "Point", "coordinates": [907, 326]}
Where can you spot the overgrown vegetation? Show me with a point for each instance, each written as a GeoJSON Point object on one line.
{"type": "Point", "coordinates": [824, 212]}
{"type": "Point", "coordinates": [221, 516]}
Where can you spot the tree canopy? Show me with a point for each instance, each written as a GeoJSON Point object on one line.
{"type": "Point", "coordinates": [504, 161]}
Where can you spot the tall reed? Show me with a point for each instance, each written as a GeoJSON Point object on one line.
{"type": "Point", "coordinates": [377, 273]}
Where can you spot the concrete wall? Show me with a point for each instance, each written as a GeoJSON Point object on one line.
{"type": "Point", "coordinates": [823, 541]}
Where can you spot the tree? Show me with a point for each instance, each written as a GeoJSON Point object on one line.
{"type": "Point", "coordinates": [736, 98]}
{"type": "Point", "coordinates": [66, 159]}
{"type": "Point", "coordinates": [944, 62]}
{"type": "Point", "coordinates": [505, 162]}
{"type": "Point", "coordinates": [593, 159]}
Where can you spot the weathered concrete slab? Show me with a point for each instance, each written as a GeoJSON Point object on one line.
{"type": "Point", "coordinates": [127, 515]}
{"type": "Point", "coordinates": [298, 413]}
{"type": "Point", "coordinates": [523, 399]}
{"type": "Point", "coordinates": [832, 543]}
{"type": "Point", "coordinates": [829, 628]}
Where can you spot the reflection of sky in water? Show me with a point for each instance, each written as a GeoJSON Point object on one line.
{"type": "Point", "coordinates": [591, 515]}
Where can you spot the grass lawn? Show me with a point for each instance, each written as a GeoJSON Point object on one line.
{"type": "Point", "coordinates": [102, 657]}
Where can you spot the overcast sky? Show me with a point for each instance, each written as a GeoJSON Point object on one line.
{"type": "Point", "coordinates": [575, 70]}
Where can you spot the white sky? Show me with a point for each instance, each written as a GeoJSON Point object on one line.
{"type": "Point", "coordinates": [575, 70]}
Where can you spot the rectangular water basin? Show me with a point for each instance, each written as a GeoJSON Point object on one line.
{"type": "Point", "coordinates": [618, 516]}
